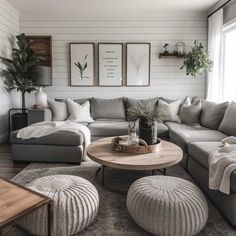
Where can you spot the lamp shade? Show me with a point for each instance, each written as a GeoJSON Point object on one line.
{"type": "Point", "coordinates": [43, 76]}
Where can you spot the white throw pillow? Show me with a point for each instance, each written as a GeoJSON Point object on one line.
{"type": "Point", "coordinates": [168, 111]}
{"type": "Point", "coordinates": [79, 113]}
{"type": "Point", "coordinates": [59, 110]}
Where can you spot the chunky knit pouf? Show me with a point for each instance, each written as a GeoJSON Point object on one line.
{"type": "Point", "coordinates": [75, 205]}
{"type": "Point", "coordinates": [167, 206]}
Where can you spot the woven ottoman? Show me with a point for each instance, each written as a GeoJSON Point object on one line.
{"type": "Point", "coordinates": [167, 206]}
{"type": "Point", "coordinates": [75, 205]}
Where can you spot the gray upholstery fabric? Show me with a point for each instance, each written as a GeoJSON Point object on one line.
{"type": "Point", "coordinates": [59, 138]}
{"type": "Point", "coordinates": [107, 128]}
{"type": "Point", "coordinates": [225, 203]}
{"type": "Point", "coordinates": [176, 126]}
{"type": "Point", "coordinates": [200, 151]}
{"type": "Point", "coordinates": [190, 112]}
{"type": "Point", "coordinates": [38, 115]}
{"type": "Point", "coordinates": [228, 125]}
{"type": "Point", "coordinates": [212, 114]}
{"type": "Point", "coordinates": [59, 111]}
{"type": "Point", "coordinates": [184, 137]}
{"type": "Point", "coordinates": [108, 108]}
{"type": "Point", "coordinates": [151, 103]}
{"type": "Point", "coordinates": [47, 153]}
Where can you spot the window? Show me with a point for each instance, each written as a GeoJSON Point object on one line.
{"type": "Point", "coordinates": [229, 62]}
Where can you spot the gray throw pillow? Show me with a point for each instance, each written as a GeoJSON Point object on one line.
{"type": "Point", "coordinates": [190, 112]}
{"type": "Point", "coordinates": [169, 111]}
{"type": "Point", "coordinates": [59, 110]}
{"type": "Point", "coordinates": [212, 114]}
{"type": "Point", "coordinates": [108, 108]}
{"type": "Point", "coordinates": [130, 102]}
{"type": "Point", "coordinates": [228, 124]}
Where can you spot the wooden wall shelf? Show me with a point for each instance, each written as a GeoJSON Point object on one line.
{"type": "Point", "coordinates": [170, 55]}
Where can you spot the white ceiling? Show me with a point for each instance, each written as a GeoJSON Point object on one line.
{"type": "Point", "coordinates": [68, 7]}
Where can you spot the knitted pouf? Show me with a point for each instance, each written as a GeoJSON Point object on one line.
{"type": "Point", "coordinates": [167, 206]}
{"type": "Point", "coordinates": [75, 205]}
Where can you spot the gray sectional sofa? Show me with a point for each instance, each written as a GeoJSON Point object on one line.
{"type": "Point", "coordinates": [111, 119]}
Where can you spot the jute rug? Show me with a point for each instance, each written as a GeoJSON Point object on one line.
{"type": "Point", "coordinates": [113, 218]}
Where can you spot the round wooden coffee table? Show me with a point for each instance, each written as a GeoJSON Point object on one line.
{"type": "Point", "coordinates": [101, 152]}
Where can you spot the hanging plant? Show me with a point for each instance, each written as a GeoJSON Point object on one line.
{"type": "Point", "coordinates": [197, 60]}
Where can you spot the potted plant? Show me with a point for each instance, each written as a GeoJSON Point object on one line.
{"type": "Point", "coordinates": [20, 74]}
{"type": "Point", "coordinates": [197, 60]}
{"type": "Point", "coordinates": [147, 122]}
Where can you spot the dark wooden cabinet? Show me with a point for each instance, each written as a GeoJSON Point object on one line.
{"type": "Point", "coordinates": [42, 46]}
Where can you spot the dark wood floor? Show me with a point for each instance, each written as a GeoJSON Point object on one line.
{"type": "Point", "coordinates": [9, 169]}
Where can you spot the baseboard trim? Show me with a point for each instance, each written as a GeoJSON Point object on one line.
{"type": "Point", "coordinates": [3, 137]}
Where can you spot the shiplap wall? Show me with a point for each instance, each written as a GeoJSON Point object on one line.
{"type": "Point", "coordinates": [9, 27]}
{"type": "Point", "coordinates": [166, 78]}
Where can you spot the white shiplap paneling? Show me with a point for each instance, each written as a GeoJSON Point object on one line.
{"type": "Point", "coordinates": [166, 78]}
{"type": "Point", "coordinates": [9, 27]}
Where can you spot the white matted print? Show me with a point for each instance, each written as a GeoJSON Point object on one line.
{"type": "Point", "coordinates": [81, 64]}
{"type": "Point", "coordinates": [110, 64]}
{"type": "Point", "coordinates": [138, 64]}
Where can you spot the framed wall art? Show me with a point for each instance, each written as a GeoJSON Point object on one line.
{"type": "Point", "coordinates": [110, 61]}
{"type": "Point", "coordinates": [138, 57]}
{"type": "Point", "coordinates": [81, 64]}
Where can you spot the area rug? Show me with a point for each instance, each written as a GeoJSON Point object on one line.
{"type": "Point", "coordinates": [113, 218]}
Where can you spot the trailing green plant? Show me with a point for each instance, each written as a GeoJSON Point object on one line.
{"type": "Point", "coordinates": [197, 60]}
{"type": "Point", "coordinates": [82, 66]}
{"type": "Point", "coordinates": [144, 113]}
{"type": "Point", "coordinates": [21, 69]}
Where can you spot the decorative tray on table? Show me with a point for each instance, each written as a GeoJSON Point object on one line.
{"type": "Point", "coordinates": [119, 144]}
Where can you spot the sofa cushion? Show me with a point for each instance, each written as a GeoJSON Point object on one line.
{"type": "Point", "coordinates": [62, 138]}
{"type": "Point", "coordinates": [169, 111]}
{"type": "Point", "coordinates": [190, 111]}
{"type": "Point", "coordinates": [184, 137]}
{"type": "Point", "coordinates": [212, 114]}
{"type": "Point", "coordinates": [200, 151]}
{"type": "Point", "coordinates": [59, 110]}
{"type": "Point", "coordinates": [150, 103]}
{"type": "Point", "coordinates": [108, 108]}
{"type": "Point", "coordinates": [106, 128]}
{"type": "Point", "coordinates": [228, 124]}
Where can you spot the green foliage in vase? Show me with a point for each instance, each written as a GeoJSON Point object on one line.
{"type": "Point", "coordinates": [21, 69]}
{"type": "Point", "coordinates": [145, 113]}
{"type": "Point", "coordinates": [82, 66]}
{"type": "Point", "coordinates": [197, 61]}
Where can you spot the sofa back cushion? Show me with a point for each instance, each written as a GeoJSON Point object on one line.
{"type": "Point", "coordinates": [130, 102]}
{"type": "Point", "coordinates": [59, 110]}
{"type": "Point", "coordinates": [190, 111]}
{"type": "Point", "coordinates": [169, 111]}
{"type": "Point", "coordinates": [228, 124]}
{"type": "Point", "coordinates": [212, 114]}
{"type": "Point", "coordinates": [108, 108]}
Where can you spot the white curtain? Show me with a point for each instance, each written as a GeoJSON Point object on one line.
{"type": "Point", "coordinates": [214, 78]}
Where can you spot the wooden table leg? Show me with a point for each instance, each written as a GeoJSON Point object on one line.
{"type": "Point", "coordinates": [50, 219]}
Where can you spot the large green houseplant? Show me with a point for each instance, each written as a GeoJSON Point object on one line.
{"type": "Point", "coordinates": [21, 69]}
{"type": "Point", "coordinates": [197, 60]}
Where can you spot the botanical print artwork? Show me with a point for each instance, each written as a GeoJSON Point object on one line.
{"type": "Point", "coordinates": [81, 64]}
{"type": "Point", "coordinates": [138, 64]}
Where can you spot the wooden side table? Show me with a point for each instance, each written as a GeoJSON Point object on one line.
{"type": "Point", "coordinates": [17, 201]}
